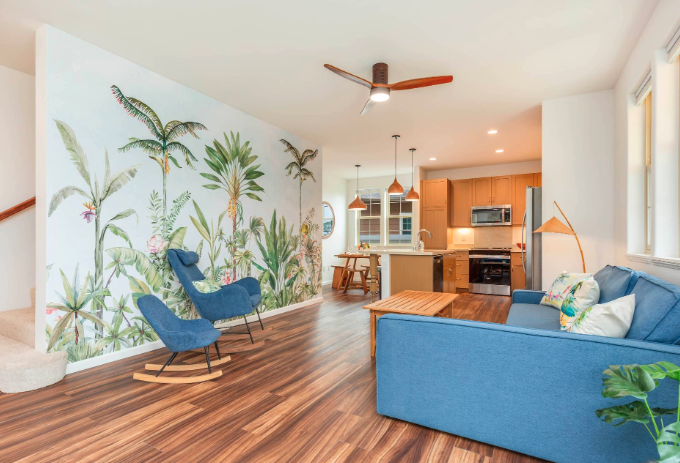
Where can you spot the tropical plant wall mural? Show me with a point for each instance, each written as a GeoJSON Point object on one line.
{"type": "Point", "coordinates": [235, 197]}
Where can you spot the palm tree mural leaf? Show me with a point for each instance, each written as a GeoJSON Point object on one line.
{"type": "Point", "coordinates": [141, 262]}
{"type": "Point", "coordinates": [158, 149]}
{"type": "Point", "coordinates": [231, 172]}
{"type": "Point", "coordinates": [119, 179]}
{"type": "Point", "coordinates": [75, 150]}
{"type": "Point", "coordinates": [119, 232]}
{"type": "Point", "coordinates": [301, 172]}
{"type": "Point", "coordinates": [61, 195]}
{"type": "Point", "coordinates": [176, 239]}
{"type": "Point", "coordinates": [134, 111]}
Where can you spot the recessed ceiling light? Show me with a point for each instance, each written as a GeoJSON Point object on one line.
{"type": "Point", "coordinates": [433, 159]}
{"type": "Point", "coordinates": [492, 132]}
{"type": "Point", "coordinates": [499, 151]}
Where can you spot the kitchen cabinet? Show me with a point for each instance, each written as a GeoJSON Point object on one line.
{"type": "Point", "coordinates": [461, 202]}
{"type": "Point", "coordinates": [519, 196]}
{"type": "Point", "coordinates": [481, 191]}
{"type": "Point", "coordinates": [434, 193]}
{"type": "Point", "coordinates": [517, 276]}
{"type": "Point", "coordinates": [462, 271]}
{"type": "Point", "coordinates": [501, 188]}
{"type": "Point", "coordinates": [450, 273]}
{"type": "Point", "coordinates": [436, 220]}
{"type": "Point", "coordinates": [491, 191]}
{"type": "Point", "coordinates": [538, 179]}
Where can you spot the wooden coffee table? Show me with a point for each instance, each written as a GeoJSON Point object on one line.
{"type": "Point", "coordinates": [411, 303]}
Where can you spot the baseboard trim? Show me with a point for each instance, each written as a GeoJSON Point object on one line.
{"type": "Point", "coordinates": [144, 348]}
{"type": "Point", "coordinates": [326, 283]}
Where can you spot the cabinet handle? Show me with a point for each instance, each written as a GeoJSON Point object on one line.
{"type": "Point", "coordinates": [450, 272]}
{"type": "Point", "coordinates": [457, 278]}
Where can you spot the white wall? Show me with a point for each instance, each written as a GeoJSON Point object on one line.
{"type": "Point", "coordinates": [516, 168]}
{"type": "Point", "coordinates": [578, 173]}
{"type": "Point", "coordinates": [335, 193]}
{"type": "Point", "coordinates": [17, 183]}
{"type": "Point", "coordinates": [629, 164]}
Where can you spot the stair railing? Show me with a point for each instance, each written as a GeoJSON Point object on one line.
{"type": "Point", "coordinates": [16, 209]}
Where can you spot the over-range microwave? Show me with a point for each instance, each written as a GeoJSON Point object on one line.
{"type": "Point", "coordinates": [491, 216]}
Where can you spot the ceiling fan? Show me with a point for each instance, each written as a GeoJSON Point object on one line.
{"type": "Point", "coordinates": [380, 89]}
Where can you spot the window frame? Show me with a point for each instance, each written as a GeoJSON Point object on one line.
{"type": "Point", "coordinates": [400, 216]}
{"type": "Point", "coordinates": [648, 174]}
{"type": "Point", "coordinates": [359, 217]}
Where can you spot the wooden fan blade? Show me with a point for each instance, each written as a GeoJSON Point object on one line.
{"type": "Point", "coordinates": [423, 82]}
{"type": "Point", "coordinates": [348, 76]}
{"type": "Point", "coordinates": [367, 107]}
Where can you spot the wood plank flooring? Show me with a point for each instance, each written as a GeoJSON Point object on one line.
{"type": "Point", "coordinates": [307, 396]}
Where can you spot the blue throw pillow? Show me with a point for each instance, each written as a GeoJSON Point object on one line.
{"type": "Point", "coordinates": [657, 311]}
{"type": "Point", "coordinates": [619, 282]}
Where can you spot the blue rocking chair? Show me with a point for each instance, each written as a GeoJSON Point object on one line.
{"type": "Point", "coordinates": [235, 300]}
{"type": "Point", "coordinates": [179, 336]}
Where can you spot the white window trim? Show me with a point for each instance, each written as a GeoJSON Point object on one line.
{"type": "Point", "coordinates": [401, 216]}
{"type": "Point", "coordinates": [359, 217]}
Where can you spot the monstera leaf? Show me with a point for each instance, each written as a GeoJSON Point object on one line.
{"type": "Point", "coordinates": [668, 444]}
{"type": "Point", "coordinates": [662, 370]}
{"type": "Point", "coordinates": [634, 411]}
{"type": "Point", "coordinates": [142, 263]}
{"type": "Point", "coordinates": [627, 380]}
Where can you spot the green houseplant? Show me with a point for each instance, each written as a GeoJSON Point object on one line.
{"type": "Point", "coordinates": [638, 381]}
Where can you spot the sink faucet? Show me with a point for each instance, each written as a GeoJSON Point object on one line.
{"type": "Point", "coordinates": [421, 245]}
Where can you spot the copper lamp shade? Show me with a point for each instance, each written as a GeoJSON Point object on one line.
{"type": "Point", "coordinates": [395, 188]}
{"type": "Point", "coordinates": [412, 194]}
{"type": "Point", "coordinates": [554, 225]}
{"type": "Point", "coordinates": [357, 204]}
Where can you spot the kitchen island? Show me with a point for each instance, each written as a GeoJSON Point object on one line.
{"type": "Point", "coordinates": [404, 269]}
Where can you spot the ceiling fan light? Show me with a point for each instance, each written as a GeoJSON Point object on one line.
{"type": "Point", "coordinates": [395, 188]}
{"type": "Point", "coordinates": [357, 205]}
{"type": "Point", "coordinates": [380, 94]}
{"type": "Point", "coordinates": [412, 195]}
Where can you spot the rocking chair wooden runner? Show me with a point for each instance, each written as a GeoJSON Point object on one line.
{"type": "Point", "coordinates": [179, 336]}
{"type": "Point", "coordinates": [238, 299]}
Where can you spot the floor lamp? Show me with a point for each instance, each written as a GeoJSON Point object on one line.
{"type": "Point", "coordinates": [554, 225]}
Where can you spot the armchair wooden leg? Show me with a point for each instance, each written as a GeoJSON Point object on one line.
{"type": "Point", "coordinates": [185, 367]}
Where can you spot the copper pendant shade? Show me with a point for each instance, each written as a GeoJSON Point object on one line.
{"type": "Point", "coordinates": [357, 204]}
{"type": "Point", "coordinates": [395, 188]}
{"type": "Point", "coordinates": [412, 194]}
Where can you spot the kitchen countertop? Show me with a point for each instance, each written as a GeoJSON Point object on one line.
{"type": "Point", "coordinates": [408, 252]}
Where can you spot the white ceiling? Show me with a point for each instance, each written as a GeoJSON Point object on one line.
{"type": "Point", "coordinates": [266, 58]}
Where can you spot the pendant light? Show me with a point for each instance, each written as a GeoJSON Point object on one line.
{"type": "Point", "coordinates": [412, 194]}
{"type": "Point", "coordinates": [357, 204]}
{"type": "Point", "coordinates": [395, 188]}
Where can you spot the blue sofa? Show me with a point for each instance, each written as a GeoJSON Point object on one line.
{"type": "Point", "coordinates": [526, 385]}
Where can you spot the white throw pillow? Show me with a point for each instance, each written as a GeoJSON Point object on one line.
{"type": "Point", "coordinates": [560, 287]}
{"type": "Point", "coordinates": [578, 297]}
{"type": "Point", "coordinates": [612, 319]}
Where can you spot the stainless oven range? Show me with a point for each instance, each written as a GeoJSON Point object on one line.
{"type": "Point", "coordinates": [490, 271]}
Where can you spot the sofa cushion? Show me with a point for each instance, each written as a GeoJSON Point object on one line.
{"type": "Point", "coordinates": [602, 274]}
{"type": "Point", "coordinates": [657, 311]}
{"type": "Point", "coordinates": [534, 316]}
{"type": "Point", "coordinates": [619, 282]}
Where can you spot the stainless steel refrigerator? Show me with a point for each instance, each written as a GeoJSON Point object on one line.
{"type": "Point", "coordinates": [531, 253]}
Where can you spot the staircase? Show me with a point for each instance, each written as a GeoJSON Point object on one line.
{"type": "Point", "coordinates": [22, 368]}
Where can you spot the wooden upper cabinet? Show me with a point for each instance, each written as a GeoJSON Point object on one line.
{"type": "Point", "coordinates": [501, 188]}
{"type": "Point", "coordinates": [481, 191]}
{"type": "Point", "coordinates": [519, 196]}
{"type": "Point", "coordinates": [461, 202]}
{"type": "Point", "coordinates": [434, 193]}
{"type": "Point", "coordinates": [436, 220]}
{"type": "Point", "coordinates": [538, 179]}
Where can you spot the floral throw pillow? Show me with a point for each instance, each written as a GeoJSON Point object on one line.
{"type": "Point", "coordinates": [554, 297]}
{"type": "Point", "coordinates": [207, 286]}
{"type": "Point", "coordinates": [579, 297]}
{"type": "Point", "coordinates": [612, 319]}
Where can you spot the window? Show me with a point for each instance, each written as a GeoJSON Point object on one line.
{"type": "Point", "coordinates": [648, 173]}
{"type": "Point", "coordinates": [399, 220]}
{"type": "Point", "coordinates": [369, 222]}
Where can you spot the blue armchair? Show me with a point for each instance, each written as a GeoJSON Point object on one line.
{"type": "Point", "coordinates": [235, 300]}
{"type": "Point", "coordinates": [178, 336]}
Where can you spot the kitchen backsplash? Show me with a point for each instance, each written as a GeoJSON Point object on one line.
{"type": "Point", "coordinates": [485, 237]}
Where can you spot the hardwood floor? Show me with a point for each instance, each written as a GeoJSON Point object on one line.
{"type": "Point", "coordinates": [307, 396]}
